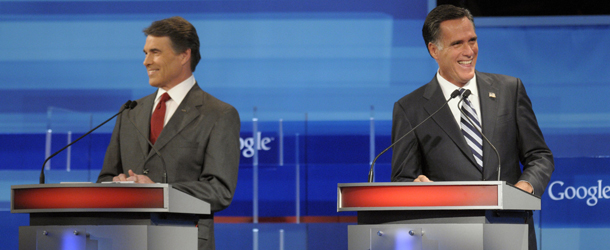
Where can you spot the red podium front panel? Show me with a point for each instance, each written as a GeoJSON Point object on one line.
{"type": "Point", "coordinates": [481, 195]}
{"type": "Point", "coordinates": [88, 198]}
{"type": "Point", "coordinates": [420, 196]}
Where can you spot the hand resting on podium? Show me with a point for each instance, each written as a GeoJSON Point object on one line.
{"type": "Point", "coordinates": [136, 178]}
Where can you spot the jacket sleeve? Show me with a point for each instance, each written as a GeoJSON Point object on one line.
{"type": "Point", "coordinates": [406, 159]}
{"type": "Point", "coordinates": [112, 160]}
{"type": "Point", "coordinates": [218, 179]}
{"type": "Point", "coordinates": [534, 154]}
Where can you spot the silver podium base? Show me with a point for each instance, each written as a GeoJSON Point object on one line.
{"type": "Point", "coordinates": [115, 237]}
{"type": "Point", "coordinates": [438, 236]}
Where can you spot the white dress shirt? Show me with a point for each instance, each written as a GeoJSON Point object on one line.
{"type": "Point", "coordinates": [177, 94]}
{"type": "Point", "coordinates": [448, 88]}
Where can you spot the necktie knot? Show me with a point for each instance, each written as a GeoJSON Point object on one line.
{"type": "Point", "coordinates": [164, 98]}
{"type": "Point", "coordinates": [465, 95]}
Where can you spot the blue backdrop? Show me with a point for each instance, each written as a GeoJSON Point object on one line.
{"type": "Point", "coordinates": [320, 77]}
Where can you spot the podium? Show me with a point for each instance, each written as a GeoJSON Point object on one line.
{"type": "Point", "coordinates": [437, 215]}
{"type": "Point", "coordinates": [107, 216]}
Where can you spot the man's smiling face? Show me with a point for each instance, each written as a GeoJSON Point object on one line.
{"type": "Point", "coordinates": [456, 51]}
{"type": "Point", "coordinates": [163, 64]}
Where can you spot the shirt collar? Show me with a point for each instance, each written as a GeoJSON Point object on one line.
{"type": "Point", "coordinates": [178, 92]}
{"type": "Point", "coordinates": [449, 87]}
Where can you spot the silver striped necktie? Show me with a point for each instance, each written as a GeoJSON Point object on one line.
{"type": "Point", "coordinates": [471, 133]}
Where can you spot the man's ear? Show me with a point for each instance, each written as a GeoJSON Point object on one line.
{"type": "Point", "coordinates": [433, 49]}
{"type": "Point", "coordinates": [186, 57]}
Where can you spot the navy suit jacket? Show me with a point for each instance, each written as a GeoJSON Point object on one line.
{"type": "Point", "coordinates": [438, 150]}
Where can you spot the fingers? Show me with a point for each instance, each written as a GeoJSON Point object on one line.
{"type": "Point", "coordinates": [422, 178]}
{"type": "Point", "coordinates": [132, 176]}
{"type": "Point", "coordinates": [120, 177]}
{"type": "Point", "coordinates": [144, 179]}
{"type": "Point", "coordinates": [525, 186]}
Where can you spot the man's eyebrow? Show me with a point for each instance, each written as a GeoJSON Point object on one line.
{"type": "Point", "coordinates": [456, 42]}
{"type": "Point", "coordinates": [152, 50]}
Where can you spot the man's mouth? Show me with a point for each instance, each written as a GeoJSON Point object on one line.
{"type": "Point", "coordinates": [152, 71]}
{"type": "Point", "coordinates": [465, 62]}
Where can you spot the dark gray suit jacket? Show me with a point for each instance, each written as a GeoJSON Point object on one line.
{"type": "Point", "coordinates": [438, 149]}
{"type": "Point", "coordinates": [200, 146]}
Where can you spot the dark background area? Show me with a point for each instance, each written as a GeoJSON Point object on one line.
{"type": "Point", "coordinates": [496, 8]}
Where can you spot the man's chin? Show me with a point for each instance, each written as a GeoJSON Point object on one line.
{"type": "Point", "coordinates": [467, 76]}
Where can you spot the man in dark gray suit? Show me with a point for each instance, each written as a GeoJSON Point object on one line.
{"type": "Point", "coordinates": [439, 150]}
{"type": "Point", "coordinates": [196, 134]}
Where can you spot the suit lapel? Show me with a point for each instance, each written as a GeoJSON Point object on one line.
{"type": "Point", "coordinates": [142, 121]}
{"type": "Point", "coordinates": [488, 92]}
{"type": "Point", "coordinates": [185, 113]}
{"type": "Point", "coordinates": [444, 118]}
{"type": "Point", "coordinates": [489, 106]}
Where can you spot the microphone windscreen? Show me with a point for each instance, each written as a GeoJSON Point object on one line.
{"type": "Point", "coordinates": [127, 104]}
{"type": "Point", "coordinates": [133, 104]}
{"type": "Point", "coordinates": [455, 93]}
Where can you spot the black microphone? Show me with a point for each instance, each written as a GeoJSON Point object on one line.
{"type": "Point", "coordinates": [127, 105]}
{"type": "Point", "coordinates": [464, 96]}
{"type": "Point", "coordinates": [134, 103]}
{"type": "Point", "coordinates": [371, 174]}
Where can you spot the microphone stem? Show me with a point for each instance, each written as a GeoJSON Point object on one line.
{"type": "Point", "coordinates": [371, 171]}
{"type": "Point", "coordinates": [42, 177]}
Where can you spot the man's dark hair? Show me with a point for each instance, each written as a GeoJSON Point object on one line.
{"type": "Point", "coordinates": [182, 34]}
{"type": "Point", "coordinates": [432, 26]}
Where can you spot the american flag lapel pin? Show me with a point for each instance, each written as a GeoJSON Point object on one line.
{"type": "Point", "coordinates": [492, 95]}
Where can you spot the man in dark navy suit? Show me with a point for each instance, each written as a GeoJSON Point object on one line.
{"type": "Point", "coordinates": [445, 148]}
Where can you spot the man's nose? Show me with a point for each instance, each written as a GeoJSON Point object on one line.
{"type": "Point", "coordinates": [468, 50]}
{"type": "Point", "coordinates": [147, 60]}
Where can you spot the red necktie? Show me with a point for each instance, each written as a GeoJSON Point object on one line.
{"type": "Point", "coordinates": [158, 117]}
